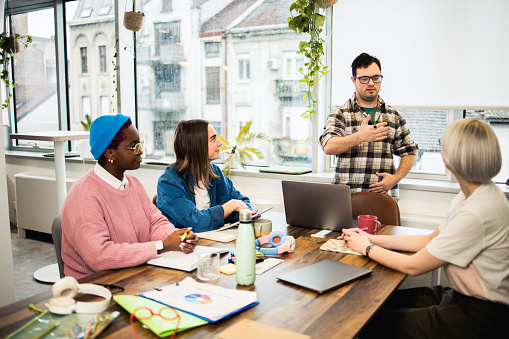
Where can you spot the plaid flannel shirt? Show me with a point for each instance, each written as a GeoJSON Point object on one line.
{"type": "Point", "coordinates": [357, 167]}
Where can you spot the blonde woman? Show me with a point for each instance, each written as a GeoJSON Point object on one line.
{"type": "Point", "coordinates": [472, 245]}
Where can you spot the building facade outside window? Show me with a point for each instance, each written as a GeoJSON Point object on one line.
{"type": "Point", "coordinates": [243, 67]}
{"type": "Point", "coordinates": [102, 59]}
{"type": "Point", "coordinates": [212, 83]}
{"type": "Point", "coordinates": [84, 60]}
{"type": "Point", "coordinates": [212, 49]}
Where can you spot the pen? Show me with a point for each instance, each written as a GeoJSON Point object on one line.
{"type": "Point", "coordinates": [48, 330]}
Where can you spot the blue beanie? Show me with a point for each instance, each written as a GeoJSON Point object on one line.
{"type": "Point", "coordinates": [102, 132]}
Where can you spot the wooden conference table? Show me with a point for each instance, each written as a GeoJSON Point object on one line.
{"type": "Point", "coordinates": [340, 313]}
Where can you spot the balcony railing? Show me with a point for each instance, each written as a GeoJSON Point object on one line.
{"type": "Point", "coordinates": [289, 89]}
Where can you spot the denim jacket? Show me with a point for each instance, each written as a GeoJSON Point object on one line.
{"type": "Point", "coordinates": [178, 204]}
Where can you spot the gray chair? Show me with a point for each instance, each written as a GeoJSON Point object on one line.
{"type": "Point", "coordinates": [56, 233]}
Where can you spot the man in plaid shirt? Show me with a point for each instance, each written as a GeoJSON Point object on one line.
{"type": "Point", "coordinates": [364, 134]}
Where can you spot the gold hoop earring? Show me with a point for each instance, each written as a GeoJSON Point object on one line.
{"type": "Point", "coordinates": [111, 161]}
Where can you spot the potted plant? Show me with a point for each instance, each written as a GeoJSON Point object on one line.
{"type": "Point", "coordinates": [9, 45]}
{"type": "Point", "coordinates": [133, 20]}
{"type": "Point", "coordinates": [86, 124]}
{"type": "Point", "coordinates": [307, 20]}
{"type": "Point", "coordinates": [240, 153]}
{"type": "Point", "coordinates": [83, 144]}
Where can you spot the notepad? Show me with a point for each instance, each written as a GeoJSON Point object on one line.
{"type": "Point", "coordinates": [182, 261]}
{"type": "Point", "coordinates": [222, 236]}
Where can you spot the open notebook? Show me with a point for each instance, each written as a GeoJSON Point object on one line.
{"type": "Point", "coordinates": [182, 261]}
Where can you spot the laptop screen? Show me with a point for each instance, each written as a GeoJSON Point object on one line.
{"type": "Point", "coordinates": [317, 205]}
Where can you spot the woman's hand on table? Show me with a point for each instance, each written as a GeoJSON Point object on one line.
{"type": "Point", "coordinates": [356, 239]}
{"type": "Point", "coordinates": [181, 240]}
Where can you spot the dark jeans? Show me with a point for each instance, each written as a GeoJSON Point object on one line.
{"type": "Point", "coordinates": [438, 312]}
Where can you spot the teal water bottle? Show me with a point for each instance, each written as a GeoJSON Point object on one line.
{"type": "Point", "coordinates": [245, 249]}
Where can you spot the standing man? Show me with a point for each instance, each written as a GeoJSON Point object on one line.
{"type": "Point", "coordinates": [364, 134]}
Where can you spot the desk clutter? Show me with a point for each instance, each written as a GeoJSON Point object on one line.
{"type": "Point", "coordinates": [73, 325]}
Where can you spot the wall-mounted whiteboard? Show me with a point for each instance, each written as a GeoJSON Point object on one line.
{"type": "Point", "coordinates": [434, 53]}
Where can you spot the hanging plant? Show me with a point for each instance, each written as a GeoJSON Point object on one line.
{"type": "Point", "coordinates": [133, 20]}
{"type": "Point", "coordinates": [240, 153]}
{"type": "Point", "coordinates": [309, 21]}
{"type": "Point", "coordinates": [9, 45]}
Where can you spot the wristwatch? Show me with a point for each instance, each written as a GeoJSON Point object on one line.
{"type": "Point", "coordinates": [368, 249]}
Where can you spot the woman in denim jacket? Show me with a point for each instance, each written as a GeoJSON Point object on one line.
{"type": "Point", "coordinates": [193, 192]}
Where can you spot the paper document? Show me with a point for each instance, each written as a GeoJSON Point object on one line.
{"type": "Point", "coordinates": [336, 245]}
{"type": "Point", "coordinates": [209, 302]}
{"type": "Point", "coordinates": [182, 261]}
{"type": "Point", "coordinates": [224, 236]}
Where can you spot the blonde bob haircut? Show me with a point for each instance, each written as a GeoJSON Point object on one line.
{"type": "Point", "coordinates": [471, 149]}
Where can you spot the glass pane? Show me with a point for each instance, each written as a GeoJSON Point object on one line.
{"type": "Point", "coordinates": [94, 34]}
{"type": "Point", "coordinates": [426, 126]}
{"type": "Point", "coordinates": [34, 72]}
{"type": "Point", "coordinates": [251, 45]}
{"type": "Point", "coordinates": [499, 121]}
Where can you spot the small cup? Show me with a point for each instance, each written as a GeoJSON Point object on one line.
{"type": "Point", "coordinates": [262, 227]}
{"type": "Point", "coordinates": [369, 223]}
{"type": "Point", "coordinates": [208, 266]}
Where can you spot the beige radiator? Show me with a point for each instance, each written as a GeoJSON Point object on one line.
{"type": "Point", "coordinates": [36, 201]}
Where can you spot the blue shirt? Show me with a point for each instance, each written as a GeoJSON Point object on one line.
{"type": "Point", "coordinates": [178, 204]}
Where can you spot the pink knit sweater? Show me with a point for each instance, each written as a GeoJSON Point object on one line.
{"type": "Point", "coordinates": [106, 228]}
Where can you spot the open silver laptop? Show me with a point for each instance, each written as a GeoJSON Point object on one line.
{"type": "Point", "coordinates": [318, 205]}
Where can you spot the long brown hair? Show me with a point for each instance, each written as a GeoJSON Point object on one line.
{"type": "Point", "coordinates": [191, 145]}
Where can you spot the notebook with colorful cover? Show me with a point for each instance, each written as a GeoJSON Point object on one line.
{"type": "Point", "coordinates": [159, 326]}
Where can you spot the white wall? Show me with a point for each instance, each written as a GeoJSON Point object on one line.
{"type": "Point", "coordinates": [7, 280]}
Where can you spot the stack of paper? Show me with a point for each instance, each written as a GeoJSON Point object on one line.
{"type": "Point", "coordinates": [209, 302]}
{"type": "Point", "coordinates": [182, 261]}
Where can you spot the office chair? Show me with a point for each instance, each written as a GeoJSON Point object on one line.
{"type": "Point", "coordinates": [383, 206]}
{"type": "Point", "coordinates": [56, 233]}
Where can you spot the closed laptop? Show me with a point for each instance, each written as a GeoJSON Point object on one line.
{"type": "Point", "coordinates": [324, 276]}
{"type": "Point", "coordinates": [318, 205]}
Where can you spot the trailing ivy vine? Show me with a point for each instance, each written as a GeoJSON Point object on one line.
{"type": "Point", "coordinates": [307, 20]}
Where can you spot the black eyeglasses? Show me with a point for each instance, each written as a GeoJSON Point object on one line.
{"type": "Point", "coordinates": [137, 149]}
{"type": "Point", "coordinates": [365, 80]}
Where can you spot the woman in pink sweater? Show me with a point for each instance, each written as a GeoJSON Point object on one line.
{"type": "Point", "coordinates": [108, 220]}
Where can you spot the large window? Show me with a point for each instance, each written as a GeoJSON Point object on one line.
{"type": "Point", "coordinates": [212, 80]}
{"type": "Point", "coordinates": [230, 72]}
{"type": "Point", "coordinates": [235, 63]}
{"type": "Point", "coordinates": [35, 95]}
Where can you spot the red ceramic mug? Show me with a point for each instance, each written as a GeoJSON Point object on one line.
{"type": "Point", "coordinates": [369, 223]}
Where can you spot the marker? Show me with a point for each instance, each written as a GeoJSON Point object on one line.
{"type": "Point", "coordinates": [183, 237]}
